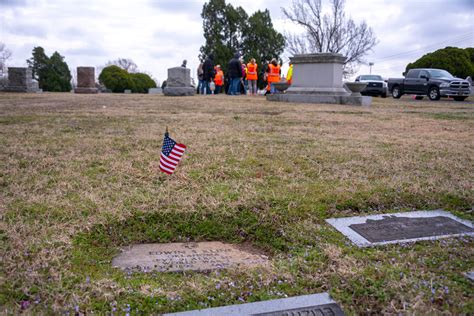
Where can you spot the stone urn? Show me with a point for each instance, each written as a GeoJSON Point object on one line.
{"type": "Point", "coordinates": [356, 87]}
{"type": "Point", "coordinates": [281, 86]}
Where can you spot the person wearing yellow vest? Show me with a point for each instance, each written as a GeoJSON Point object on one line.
{"type": "Point", "coordinates": [273, 74]}
{"type": "Point", "coordinates": [252, 76]}
{"type": "Point", "coordinates": [289, 74]}
{"type": "Point", "coordinates": [218, 79]}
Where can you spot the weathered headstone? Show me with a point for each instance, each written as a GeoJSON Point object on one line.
{"type": "Point", "coordinates": [86, 80]}
{"type": "Point", "coordinates": [317, 78]}
{"type": "Point", "coordinates": [176, 257]}
{"type": "Point", "coordinates": [383, 229]}
{"type": "Point", "coordinates": [20, 79]}
{"type": "Point", "coordinates": [310, 305]}
{"type": "Point", "coordinates": [155, 91]}
{"type": "Point", "coordinates": [179, 82]}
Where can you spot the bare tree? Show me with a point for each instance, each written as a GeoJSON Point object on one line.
{"type": "Point", "coordinates": [5, 54]}
{"type": "Point", "coordinates": [329, 33]}
{"type": "Point", "coordinates": [124, 63]}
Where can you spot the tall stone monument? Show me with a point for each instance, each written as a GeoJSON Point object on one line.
{"type": "Point", "coordinates": [86, 80]}
{"type": "Point", "coordinates": [20, 79]}
{"type": "Point", "coordinates": [179, 82]}
{"type": "Point", "coordinates": [317, 78]}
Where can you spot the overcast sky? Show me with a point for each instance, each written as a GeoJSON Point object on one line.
{"type": "Point", "coordinates": [159, 34]}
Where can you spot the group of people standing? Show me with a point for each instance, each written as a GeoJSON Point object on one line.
{"type": "Point", "coordinates": [240, 78]}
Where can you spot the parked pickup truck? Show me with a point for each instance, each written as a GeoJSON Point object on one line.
{"type": "Point", "coordinates": [435, 83]}
{"type": "Point", "coordinates": [375, 85]}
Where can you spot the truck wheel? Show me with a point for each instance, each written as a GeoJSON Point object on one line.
{"type": "Point", "coordinates": [419, 97]}
{"type": "Point", "coordinates": [396, 93]}
{"type": "Point", "coordinates": [433, 93]}
{"type": "Point", "coordinates": [459, 98]}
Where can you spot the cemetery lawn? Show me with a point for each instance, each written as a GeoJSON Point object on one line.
{"type": "Point", "coordinates": [79, 179]}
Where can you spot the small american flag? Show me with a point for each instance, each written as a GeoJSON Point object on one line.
{"type": "Point", "coordinates": [171, 154]}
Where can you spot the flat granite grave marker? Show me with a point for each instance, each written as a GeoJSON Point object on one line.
{"type": "Point", "coordinates": [177, 257]}
{"type": "Point", "coordinates": [383, 229]}
{"type": "Point", "coordinates": [310, 305]}
{"type": "Point", "coordinates": [155, 91]}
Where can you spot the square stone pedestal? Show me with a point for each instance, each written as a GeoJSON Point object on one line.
{"type": "Point", "coordinates": [317, 78]}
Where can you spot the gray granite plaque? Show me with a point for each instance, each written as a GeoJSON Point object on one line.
{"type": "Point", "coordinates": [401, 227]}
{"type": "Point", "coordinates": [397, 228]}
{"type": "Point", "coordinates": [311, 305]}
{"type": "Point", "coordinates": [318, 310]}
{"type": "Point", "coordinates": [176, 257]}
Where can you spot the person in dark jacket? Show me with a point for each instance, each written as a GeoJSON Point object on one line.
{"type": "Point", "coordinates": [208, 74]}
{"type": "Point", "coordinates": [235, 73]}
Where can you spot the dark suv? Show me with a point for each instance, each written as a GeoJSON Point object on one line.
{"type": "Point", "coordinates": [435, 83]}
{"type": "Point", "coordinates": [375, 85]}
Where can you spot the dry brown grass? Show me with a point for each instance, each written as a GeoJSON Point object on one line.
{"type": "Point", "coordinates": [71, 162]}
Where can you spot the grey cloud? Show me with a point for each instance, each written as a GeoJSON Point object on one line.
{"type": "Point", "coordinates": [95, 51]}
{"type": "Point", "coordinates": [165, 36]}
{"type": "Point", "coordinates": [27, 30]}
{"type": "Point", "coordinates": [177, 6]}
{"type": "Point", "coordinates": [157, 53]}
{"type": "Point", "coordinates": [72, 32]}
{"type": "Point", "coordinates": [12, 3]}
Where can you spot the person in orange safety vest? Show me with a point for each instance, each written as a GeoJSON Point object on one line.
{"type": "Point", "coordinates": [252, 76]}
{"type": "Point", "coordinates": [273, 74]}
{"type": "Point", "coordinates": [218, 79]}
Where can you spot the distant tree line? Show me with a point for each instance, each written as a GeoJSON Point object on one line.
{"type": "Point", "coordinates": [458, 61]}
{"type": "Point", "coordinates": [229, 30]}
{"type": "Point", "coordinates": [53, 74]}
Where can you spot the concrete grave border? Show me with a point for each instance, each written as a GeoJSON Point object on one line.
{"type": "Point", "coordinates": [342, 225]}
{"type": "Point", "coordinates": [271, 307]}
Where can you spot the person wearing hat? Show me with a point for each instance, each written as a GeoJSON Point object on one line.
{"type": "Point", "coordinates": [218, 79]}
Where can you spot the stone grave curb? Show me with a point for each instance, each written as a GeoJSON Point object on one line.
{"type": "Point", "coordinates": [285, 306]}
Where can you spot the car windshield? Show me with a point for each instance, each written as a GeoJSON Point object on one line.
{"type": "Point", "coordinates": [438, 73]}
{"type": "Point", "coordinates": [371, 77]}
